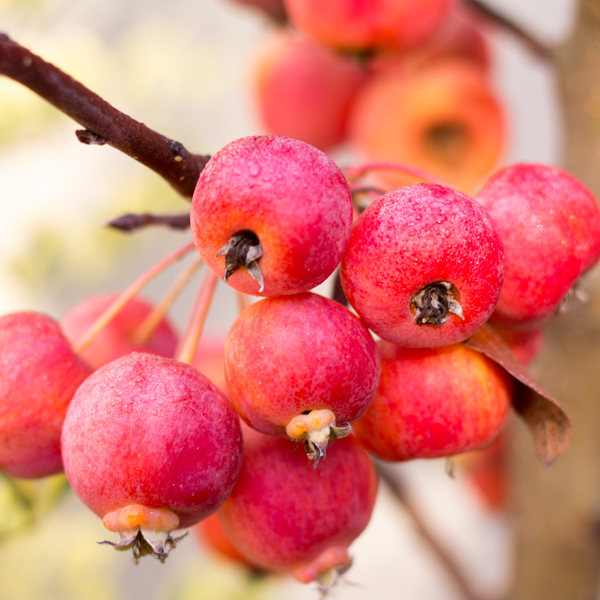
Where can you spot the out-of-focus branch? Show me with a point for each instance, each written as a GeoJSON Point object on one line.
{"type": "Point", "coordinates": [103, 123]}
{"type": "Point", "coordinates": [445, 559]}
{"type": "Point", "coordinates": [534, 45]}
{"type": "Point", "coordinates": [132, 222]}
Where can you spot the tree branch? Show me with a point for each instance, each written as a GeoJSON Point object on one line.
{"type": "Point", "coordinates": [131, 222]}
{"type": "Point", "coordinates": [103, 123]}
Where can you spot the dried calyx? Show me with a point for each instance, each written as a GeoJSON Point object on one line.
{"type": "Point", "coordinates": [432, 304]}
{"type": "Point", "coordinates": [243, 250]}
{"type": "Point", "coordinates": [146, 531]}
{"type": "Point", "coordinates": [318, 429]}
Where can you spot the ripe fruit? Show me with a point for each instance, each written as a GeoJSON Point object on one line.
{"type": "Point", "coordinates": [443, 118]}
{"type": "Point", "coordinates": [210, 532]}
{"type": "Point", "coordinates": [282, 513]}
{"type": "Point", "coordinates": [525, 345]}
{"type": "Point", "coordinates": [271, 214]}
{"type": "Point", "coordinates": [434, 402]}
{"type": "Point", "coordinates": [424, 266]}
{"type": "Point", "coordinates": [368, 24]}
{"type": "Point", "coordinates": [304, 91]}
{"type": "Point", "coordinates": [209, 360]}
{"type": "Point", "coordinates": [117, 338]}
{"type": "Point", "coordinates": [301, 367]}
{"type": "Point", "coordinates": [150, 445]}
{"type": "Point", "coordinates": [550, 227]}
{"type": "Point", "coordinates": [39, 373]}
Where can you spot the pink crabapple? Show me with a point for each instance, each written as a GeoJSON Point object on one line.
{"type": "Point", "coordinates": [283, 514]}
{"type": "Point", "coordinates": [117, 338]}
{"type": "Point", "coordinates": [434, 402]}
{"type": "Point", "coordinates": [424, 266]}
{"type": "Point", "coordinates": [150, 445]}
{"type": "Point", "coordinates": [39, 373]}
{"type": "Point", "coordinates": [271, 215]}
{"type": "Point", "coordinates": [549, 224]}
{"type": "Point", "coordinates": [301, 367]}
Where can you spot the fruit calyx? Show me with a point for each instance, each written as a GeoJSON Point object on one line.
{"type": "Point", "coordinates": [147, 531]}
{"type": "Point", "coordinates": [318, 429]}
{"type": "Point", "coordinates": [326, 569]}
{"type": "Point", "coordinates": [243, 250]}
{"type": "Point", "coordinates": [432, 304]}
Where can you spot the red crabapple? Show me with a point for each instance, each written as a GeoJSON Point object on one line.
{"type": "Point", "coordinates": [524, 344]}
{"type": "Point", "coordinates": [302, 367]}
{"type": "Point", "coordinates": [284, 514]}
{"type": "Point", "coordinates": [39, 373]}
{"type": "Point", "coordinates": [116, 339]}
{"type": "Point", "coordinates": [368, 24]}
{"type": "Point", "coordinates": [304, 91]}
{"type": "Point", "coordinates": [150, 445]}
{"type": "Point", "coordinates": [424, 266]}
{"type": "Point", "coordinates": [550, 228]}
{"type": "Point", "coordinates": [434, 402]}
{"type": "Point", "coordinates": [272, 215]}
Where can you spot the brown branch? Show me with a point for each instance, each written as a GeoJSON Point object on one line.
{"type": "Point", "coordinates": [131, 222]}
{"type": "Point", "coordinates": [538, 48]}
{"type": "Point", "coordinates": [443, 556]}
{"type": "Point", "coordinates": [103, 123]}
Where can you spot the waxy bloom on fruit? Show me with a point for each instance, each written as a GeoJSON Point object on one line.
{"type": "Point", "coordinates": [434, 402]}
{"type": "Point", "coordinates": [150, 445]}
{"type": "Point", "coordinates": [301, 367]}
{"type": "Point", "coordinates": [271, 215]}
{"type": "Point", "coordinates": [118, 337]}
{"type": "Point", "coordinates": [368, 24]}
{"type": "Point", "coordinates": [284, 514]}
{"type": "Point", "coordinates": [424, 266]}
{"type": "Point", "coordinates": [39, 373]}
{"type": "Point", "coordinates": [549, 224]}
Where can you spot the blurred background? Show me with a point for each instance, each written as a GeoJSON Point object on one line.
{"type": "Point", "coordinates": [183, 68]}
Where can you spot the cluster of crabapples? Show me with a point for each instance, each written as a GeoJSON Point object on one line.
{"type": "Point", "coordinates": [398, 81]}
{"type": "Point", "coordinates": [152, 446]}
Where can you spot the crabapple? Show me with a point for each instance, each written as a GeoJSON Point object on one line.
{"type": "Point", "coordinates": [434, 402]}
{"type": "Point", "coordinates": [525, 345]}
{"type": "Point", "coordinates": [550, 227]}
{"type": "Point", "coordinates": [424, 266]}
{"type": "Point", "coordinates": [284, 514]}
{"type": "Point", "coordinates": [150, 445]}
{"type": "Point", "coordinates": [272, 214]}
{"type": "Point", "coordinates": [368, 24]}
{"type": "Point", "coordinates": [117, 338]}
{"type": "Point", "coordinates": [304, 91]}
{"type": "Point", "coordinates": [210, 361]}
{"type": "Point", "coordinates": [443, 118]}
{"type": "Point", "coordinates": [302, 367]}
{"type": "Point", "coordinates": [39, 373]}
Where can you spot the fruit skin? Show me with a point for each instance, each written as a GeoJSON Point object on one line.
{"type": "Point", "coordinates": [291, 354]}
{"type": "Point", "coordinates": [151, 431]}
{"type": "Point", "coordinates": [412, 237]}
{"type": "Point", "coordinates": [39, 373]}
{"type": "Point", "coordinates": [283, 513]}
{"type": "Point", "coordinates": [434, 402]}
{"type": "Point", "coordinates": [443, 118]}
{"type": "Point", "coordinates": [368, 24]}
{"type": "Point", "coordinates": [116, 339]}
{"type": "Point", "coordinates": [291, 195]}
{"type": "Point", "coordinates": [304, 91]}
{"type": "Point", "coordinates": [550, 227]}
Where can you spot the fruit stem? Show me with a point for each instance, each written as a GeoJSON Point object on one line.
{"type": "Point", "coordinates": [354, 173]}
{"type": "Point", "coordinates": [189, 343]}
{"type": "Point", "coordinates": [106, 317]}
{"type": "Point", "coordinates": [243, 301]}
{"type": "Point", "coordinates": [147, 327]}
